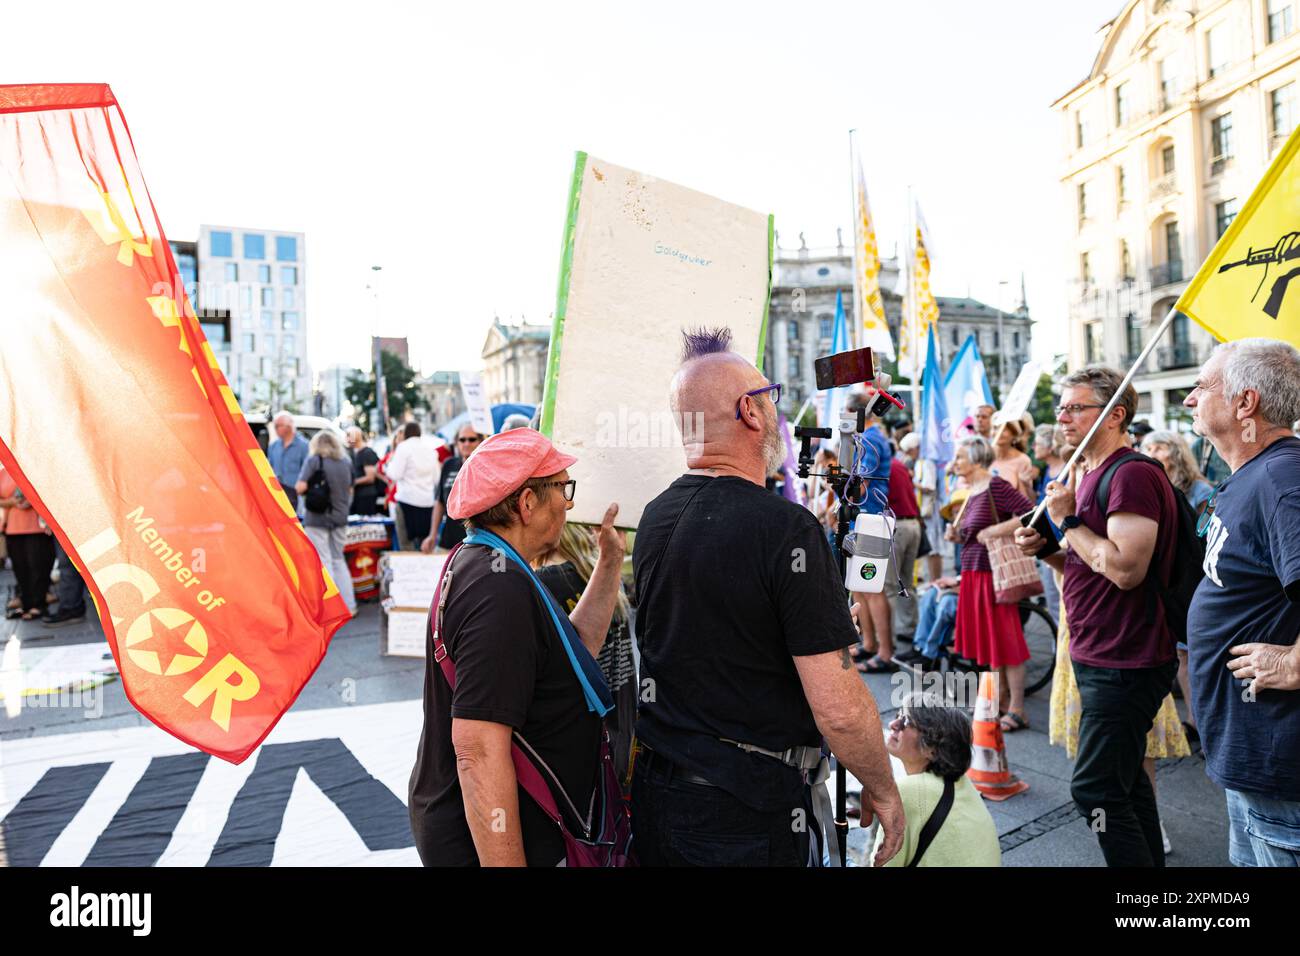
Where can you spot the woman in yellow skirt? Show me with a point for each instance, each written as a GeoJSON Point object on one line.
{"type": "Point", "coordinates": [1165, 739]}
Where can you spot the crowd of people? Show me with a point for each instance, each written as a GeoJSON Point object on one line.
{"type": "Point", "coordinates": [740, 661]}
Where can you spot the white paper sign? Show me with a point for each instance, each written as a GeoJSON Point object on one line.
{"type": "Point", "coordinates": [407, 632]}
{"type": "Point", "coordinates": [1021, 394]}
{"type": "Point", "coordinates": [471, 387]}
{"type": "Point", "coordinates": [646, 259]}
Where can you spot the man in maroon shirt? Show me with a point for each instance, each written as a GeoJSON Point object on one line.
{"type": "Point", "coordinates": [1120, 644]}
{"type": "Point", "coordinates": [907, 541]}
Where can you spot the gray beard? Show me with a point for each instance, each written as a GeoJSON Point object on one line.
{"type": "Point", "coordinates": [773, 448]}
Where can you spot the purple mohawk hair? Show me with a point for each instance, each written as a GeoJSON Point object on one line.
{"type": "Point", "coordinates": [702, 341]}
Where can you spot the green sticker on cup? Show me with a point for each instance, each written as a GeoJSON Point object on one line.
{"type": "Point", "coordinates": [868, 571]}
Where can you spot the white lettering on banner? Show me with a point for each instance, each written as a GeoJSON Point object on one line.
{"type": "Point", "coordinates": [1216, 536]}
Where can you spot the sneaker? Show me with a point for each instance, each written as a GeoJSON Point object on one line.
{"type": "Point", "coordinates": [912, 656]}
{"type": "Point", "coordinates": [60, 618]}
{"type": "Point", "coordinates": [1165, 838]}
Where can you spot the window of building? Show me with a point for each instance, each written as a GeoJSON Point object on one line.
{"type": "Point", "coordinates": [1083, 203]}
{"type": "Point", "coordinates": [250, 342]}
{"type": "Point", "coordinates": [268, 321]}
{"type": "Point", "coordinates": [1282, 108]}
{"type": "Point", "coordinates": [289, 343]}
{"type": "Point", "coordinates": [288, 275]}
{"type": "Point", "coordinates": [289, 321]}
{"type": "Point", "coordinates": [1279, 19]}
{"type": "Point", "coordinates": [264, 275]}
{"type": "Point", "coordinates": [246, 322]}
{"type": "Point", "coordinates": [232, 271]}
{"type": "Point", "coordinates": [1121, 185]}
{"type": "Point", "coordinates": [215, 333]}
{"type": "Point", "coordinates": [1168, 83]}
{"type": "Point", "coordinates": [220, 244]}
{"type": "Point", "coordinates": [1092, 343]}
{"type": "Point", "coordinates": [956, 336]}
{"type": "Point", "coordinates": [1015, 341]}
{"type": "Point", "coordinates": [1173, 250]}
{"type": "Point", "coordinates": [1221, 138]}
{"type": "Point", "coordinates": [266, 367]}
{"type": "Point", "coordinates": [1125, 260]}
{"type": "Point", "coordinates": [286, 248]}
{"type": "Point", "coordinates": [246, 297]}
{"type": "Point", "coordinates": [823, 271]}
{"type": "Point", "coordinates": [254, 246]}
{"type": "Point", "coordinates": [1085, 269]}
{"type": "Point", "coordinates": [1224, 213]}
{"type": "Point", "coordinates": [1082, 134]}
{"type": "Point", "coordinates": [1167, 160]}
{"type": "Point", "coordinates": [825, 326]}
{"type": "Point", "coordinates": [792, 369]}
{"type": "Point", "coordinates": [268, 296]}
{"type": "Point", "coordinates": [997, 340]}
{"type": "Point", "coordinates": [1121, 105]}
{"type": "Point", "coordinates": [793, 328]}
{"type": "Point", "coordinates": [287, 297]}
{"type": "Point", "coordinates": [1133, 332]}
{"type": "Point", "coordinates": [1216, 49]}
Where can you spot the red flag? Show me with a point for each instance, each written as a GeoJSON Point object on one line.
{"type": "Point", "coordinates": [116, 421]}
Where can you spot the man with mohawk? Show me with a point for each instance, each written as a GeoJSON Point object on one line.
{"type": "Point", "coordinates": [744, 632]}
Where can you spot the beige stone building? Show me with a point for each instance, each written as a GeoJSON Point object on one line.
{"type": "Point", "coordinates": [514, 362]}
{"type": "Point", "coordinates": [1185, 105]}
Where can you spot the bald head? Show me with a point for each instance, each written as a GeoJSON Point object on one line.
{"type": "Point", "coordinates": [704, 396]}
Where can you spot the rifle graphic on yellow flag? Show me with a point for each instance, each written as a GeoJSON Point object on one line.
{"type": "Point", "coordinates": [1245, 287]}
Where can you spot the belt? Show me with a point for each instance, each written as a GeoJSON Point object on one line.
{"type": "Point", "coordinates": [908, 517]}
{"type": "Point", "coordinates": [653, 758]}
{"type": "Point", "coordinates": [801, 758]}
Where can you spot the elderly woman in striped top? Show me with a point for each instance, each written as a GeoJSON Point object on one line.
{"type": "Point", "coordinates": [987, 632]}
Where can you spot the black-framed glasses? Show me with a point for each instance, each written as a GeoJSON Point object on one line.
{"type": "Point", "coordinates": [1073, 409]}
{"type": "Point", "coordinates": [775, 389]}
{"type": "Point", "coordinates": [472, 439]}
{"type": "Point", "coordinates": [1203, 522]}
{"type": "Point", "coordinates": [569, 487]}
{"type": "Point", "coordinates": [905, 720]}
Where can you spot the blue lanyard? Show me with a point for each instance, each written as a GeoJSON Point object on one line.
{"type": "Point", "coordinates": [585, 668]}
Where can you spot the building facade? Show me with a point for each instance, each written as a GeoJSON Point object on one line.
{"type": "Point", "coordinates": [442, 392]}
{"type": "Point", "coordinates": [514, 362]}
{"type": "Point", "coordinates": [250, 293]}
{"type": "Point", "coordinates": [801, 319]}
{"type": "Point", "coordinates": [332, 389]}
{"type": "Point", "coordinates": [1184, 107]}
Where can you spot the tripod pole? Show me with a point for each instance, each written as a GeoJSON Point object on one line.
{"type": "Point", "coordinates": [845, 521]}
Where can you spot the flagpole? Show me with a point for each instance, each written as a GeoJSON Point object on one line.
{"type": "Point", "coordinates": [1114, 399]}
{"type": "Point", "coordinates": [858, 317]}
{"type": "Point", "coordinates": [916, 324]}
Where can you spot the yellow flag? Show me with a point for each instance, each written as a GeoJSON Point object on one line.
{"type": "Point", "coordinates": [1244, 288]}
{"type": "Point", "coordinates": [921, 309]}
{"type": "Point", "coordinates": [870, 304]}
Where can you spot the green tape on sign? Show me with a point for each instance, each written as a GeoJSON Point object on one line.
{"type": "Point", "coordinates": [562, 295]}
{"type": "Point", "coordinates": [767, 300]}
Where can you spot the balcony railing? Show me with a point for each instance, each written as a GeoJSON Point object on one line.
{"type": "Point", "coordinates": [1178, 355]}
{"type": "Point", "coordinates": [1219, 163]}
{"type": "Point", "coordinates": [1166, 185]}
{"type": "Point", "coordinates": [1167, 274]}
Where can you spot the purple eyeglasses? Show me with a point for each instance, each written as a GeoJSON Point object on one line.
{"type": "Point", "coordinates": [774, 389]}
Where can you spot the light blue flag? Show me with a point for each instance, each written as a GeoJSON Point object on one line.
{"type": "Point", "coordinates": [966, 386]}
{"type": "Point", "coordinates": [830, 403]}
{"type": "Point", "coordinates": [936, 426]}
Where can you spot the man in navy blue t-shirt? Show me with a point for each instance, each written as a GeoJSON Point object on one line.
{"type": "Point", "coordinates": [1244, 659]}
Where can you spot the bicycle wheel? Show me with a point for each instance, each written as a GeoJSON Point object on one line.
{"type": "Point", "coordinates": [1040, 636]}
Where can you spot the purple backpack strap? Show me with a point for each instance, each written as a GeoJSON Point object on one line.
{"type": "Point", "coordinates": [529, 777]}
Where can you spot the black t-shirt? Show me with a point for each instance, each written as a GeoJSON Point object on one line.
{"type": "Point", "coordinates": [745, 584]}
{"type": "Point", "coordinates": [453, 532]}
{"type": "Point", "coordinates": [365, 498]}
{"type": "Point", "coordinates": [510, 669]}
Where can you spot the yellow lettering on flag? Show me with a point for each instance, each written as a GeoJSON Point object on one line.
{"type": "Point", "coordinates": [1250, 284]}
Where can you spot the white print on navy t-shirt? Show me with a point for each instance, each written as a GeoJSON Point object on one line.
{"type": "Point", "coordinates": [1217, 534]}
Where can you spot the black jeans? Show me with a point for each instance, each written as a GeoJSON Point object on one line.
{"type": "Point", "coordinates": [1109, 786]}
{"type": "Point", "coordinates": [71, 589]}
{"type": "Point", "coordinates": [679, 823]}
{"type": "Point", "coordinates": [33, 558]}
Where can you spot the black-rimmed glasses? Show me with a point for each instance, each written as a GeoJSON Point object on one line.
{"type": "Point", "coordinates": [569, 487]}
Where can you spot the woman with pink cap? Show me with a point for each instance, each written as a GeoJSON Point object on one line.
{"type": "Point", "coordinates": [507, 669]}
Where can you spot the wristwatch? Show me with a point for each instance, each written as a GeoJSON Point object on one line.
{"type": "Point", "coordinates": [1070, 522]}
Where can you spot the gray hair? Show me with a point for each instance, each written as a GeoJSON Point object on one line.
{"type": "Point", "coordinates": [945, 730]}
{"type": "Point", "coordinates": [282, 414]}
{"type": "Point", "coordinates": [326, 444]}
{"type": "Point", "coordinates": [978, 450]}
{"type": "Point", "coordinates": [1182, 469]}
{"type": "Point", "coordinates": [1270, 369]}
{"type": "Point", "coordinates": [1105, 382]}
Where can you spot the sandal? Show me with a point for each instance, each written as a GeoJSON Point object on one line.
{"type": "Point", "coordinates": [14, 613]}
{"type": "Point", "coordinates": [33, 615]}
{"type": "Point", "coordinates": [876, 665]}
{"type": "Point", "coordinates": [859, 653]}
{"type": "Point", "coordinates": [1016, 721]}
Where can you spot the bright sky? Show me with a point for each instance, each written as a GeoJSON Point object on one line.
{"type": "Point", "coordinates": [438, 141]}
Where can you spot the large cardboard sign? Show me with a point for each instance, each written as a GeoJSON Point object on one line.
{"type": "Point", "coordinates": [643, 259]}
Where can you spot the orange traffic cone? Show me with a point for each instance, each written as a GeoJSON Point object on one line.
{"type": "Point", "coordinates": [988, 765]}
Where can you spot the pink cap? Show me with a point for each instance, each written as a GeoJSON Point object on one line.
{"type": "Point", "coordinates": [499, 466]}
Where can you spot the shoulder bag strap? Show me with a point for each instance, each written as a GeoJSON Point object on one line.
{"type": "Point", "coordinates": [932, 825]}
{"type": "Point", "coordinates": [525, 772]}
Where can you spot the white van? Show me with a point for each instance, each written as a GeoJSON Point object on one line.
{"type": "Point", "coordinates": [307, 425]}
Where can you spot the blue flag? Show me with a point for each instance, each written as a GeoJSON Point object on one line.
{"type": "Point", "coordinates": [936, 427]}
{"type": "Point", "coordinates": [830, 402]}
{"type": "Point", "coordinates": [966, 386]}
